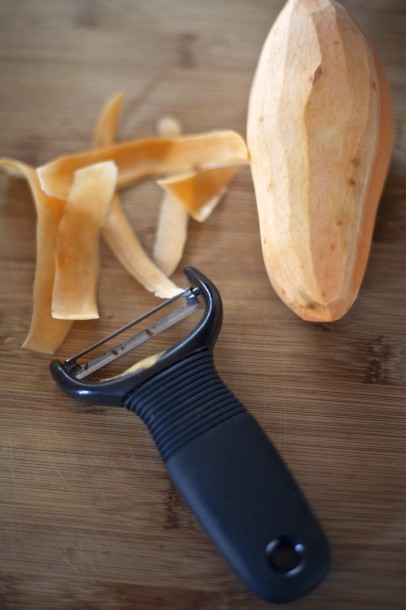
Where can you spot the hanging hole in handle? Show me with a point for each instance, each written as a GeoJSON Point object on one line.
{"type": "Point", "coordinates": [285, 555]}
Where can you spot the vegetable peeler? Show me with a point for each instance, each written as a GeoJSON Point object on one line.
{"type": "Point", "coordinates": [217, 455]}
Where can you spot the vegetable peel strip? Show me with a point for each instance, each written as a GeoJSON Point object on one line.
{"type": "Point", "coordinates": [173, 217]}
{"type": "Point", "coordinates": [201, 190]}
{"type": "Point", "coordinates": [117, 231]}
{"type": "Point", "coordinates": [77, 253]}
{"type": "Point", "coordinates": [132, 256]}
{"type": "Point", "coordinates": [106, 127]}
{"type": "Point", "coordinates": [171, 234]}
{"type": "Point", "coordinates": [46, 334]}
{"type": "Point", "coordinates": [139, 159]}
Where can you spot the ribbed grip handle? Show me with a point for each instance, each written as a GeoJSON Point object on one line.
{"type": "Point", "coordinates": [233, 479]}
{"type": "Point", "coordinates": [183, 402]}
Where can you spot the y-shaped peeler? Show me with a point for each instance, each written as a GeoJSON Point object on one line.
{"type": "Point", "coordinates": [216, 453]}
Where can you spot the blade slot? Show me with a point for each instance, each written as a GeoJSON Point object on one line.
{"type": "Point", "coordinates": [80, 371]}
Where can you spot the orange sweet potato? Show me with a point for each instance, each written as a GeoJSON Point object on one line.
{"type": "Point", "coordinates": [320, 132]}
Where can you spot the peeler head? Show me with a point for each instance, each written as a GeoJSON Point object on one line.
{"type": "Point", "coordinates": [71, 375]}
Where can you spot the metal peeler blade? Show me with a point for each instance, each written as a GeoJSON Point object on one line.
{"type": "Point", "coordinates": [189, 305]}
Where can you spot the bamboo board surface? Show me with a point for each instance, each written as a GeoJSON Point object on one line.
{"type": "Point", "coordinates": [88, 517]}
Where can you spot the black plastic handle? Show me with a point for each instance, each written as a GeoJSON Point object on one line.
{"type": "Point", "coordinates": [233, 479]}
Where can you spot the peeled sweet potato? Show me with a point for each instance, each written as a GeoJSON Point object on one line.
{"type": "Point", "coordinates": [320, 139]}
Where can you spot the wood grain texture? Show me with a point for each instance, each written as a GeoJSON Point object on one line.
{"type": "Point", "coordinates": [88, 517]}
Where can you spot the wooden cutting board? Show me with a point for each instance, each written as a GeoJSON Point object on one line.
{"type": "Point", "coordinates": [88, 517]}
